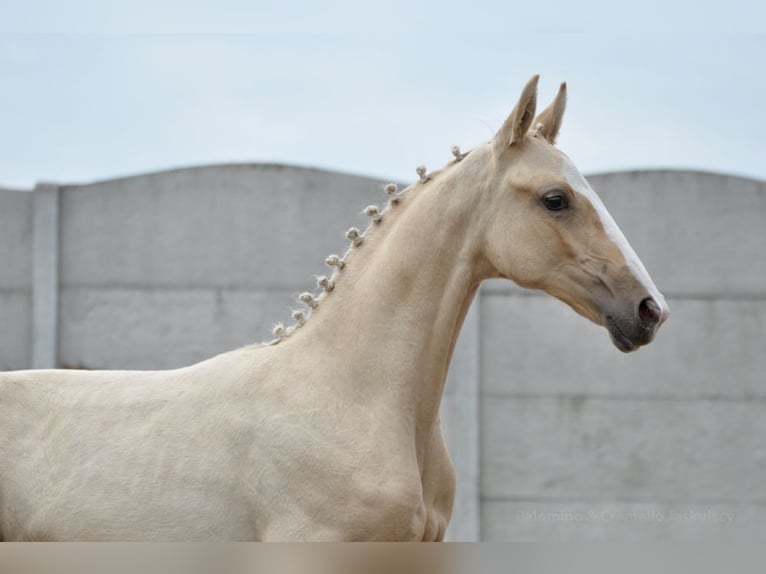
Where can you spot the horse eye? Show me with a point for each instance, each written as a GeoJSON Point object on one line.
{"type": "Point", "coordinates": [555, 202]}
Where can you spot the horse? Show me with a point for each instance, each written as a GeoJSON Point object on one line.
{"type": "Point", "coordinates": [330, 431]}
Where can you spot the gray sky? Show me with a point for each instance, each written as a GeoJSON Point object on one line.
{"type": "Point", "coordinates": [88, 91]}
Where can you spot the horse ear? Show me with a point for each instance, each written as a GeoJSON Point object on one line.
{"type": "Point", "coordinates": [548, 123]}
{"type": "Point", "coordinates": [520, 119]}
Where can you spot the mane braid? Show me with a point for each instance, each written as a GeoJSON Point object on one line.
{"type": "Point", "coordinates": [327, 284]}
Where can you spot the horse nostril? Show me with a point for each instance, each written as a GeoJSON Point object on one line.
{"type": "Point", "coordinates": [649, 313]}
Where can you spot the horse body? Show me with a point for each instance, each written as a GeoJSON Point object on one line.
{"type": "Point", "coordinates": [228, 449]}
{"type": "Point", "coordinates": [86, 454]}
{"type": "Point", "coordinates": [331, 432]}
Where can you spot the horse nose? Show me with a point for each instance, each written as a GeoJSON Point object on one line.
{"type": "Point", "coordinates": [649, 313]}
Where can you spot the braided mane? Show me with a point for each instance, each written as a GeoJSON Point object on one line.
{"type": "Point", "coordinates": [337, 263]}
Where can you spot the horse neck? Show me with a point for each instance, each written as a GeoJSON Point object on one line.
{"type": "Point", "coordinates": [398, 305]}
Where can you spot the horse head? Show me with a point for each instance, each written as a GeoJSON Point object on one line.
{"type": "Point", "coordinates": [547, 229]}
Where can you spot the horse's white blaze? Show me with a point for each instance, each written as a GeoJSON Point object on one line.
{"type": "Point", "coordinates": [580, 185]}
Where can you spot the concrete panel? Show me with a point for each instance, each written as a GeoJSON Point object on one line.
{"type": "Point", "coordinates": [15, 239]}
{"type": "Point", "coordinates": [45, 276]}
{"type": "Point", "coordinates": [710, 348]}
{"type": "Point", "coordinates": [15, 327]}
{"type": "Point", "coordinates": [239, 226]}
{"type": "Point", "coordinates": [160, 329]}
{"type": "Point", "coordinates": [697, 233]}
{"type": "Point", "coordinates": [461, 424]}
{"type": "Point", "coordinates": [705, 451]}
{"type": "Point", "coordinates": [580, 521]}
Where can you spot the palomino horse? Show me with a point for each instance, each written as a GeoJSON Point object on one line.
{"type": "Point", "coordinates": [331, 431]}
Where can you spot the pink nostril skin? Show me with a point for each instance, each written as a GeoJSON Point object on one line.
{"type": "Point", "coordinates": [650, 314]}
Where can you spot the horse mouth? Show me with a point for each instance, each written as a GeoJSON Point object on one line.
{"type": "Point", "coordinates": [620, 339]}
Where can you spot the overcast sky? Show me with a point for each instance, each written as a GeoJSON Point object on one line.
{"type": "Point", "coordinates": [88, 91]}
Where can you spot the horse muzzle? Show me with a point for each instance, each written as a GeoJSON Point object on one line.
{"type": "Point", "coordinates": [637, 328]}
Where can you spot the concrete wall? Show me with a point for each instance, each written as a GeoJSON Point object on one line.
{"type": "Point", "coordinates": [15, 279]}
{"type": "Point", "coordinates": [146, 261]}
{"type": "Point", "coordinates": [555, 434]}
{"type": "Point", "coordinates": [580, 441]}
